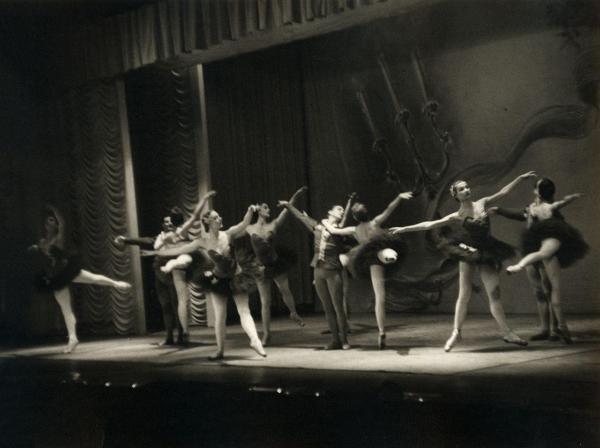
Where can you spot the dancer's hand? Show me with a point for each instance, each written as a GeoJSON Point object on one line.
{"type": "Point", "coordinates": [119, 240]}
{"type": "Point", "coordinates": [283, 203]}
{"type": "Point", "coordinates": [572, 197]}
{"type": "Point", "coordinates": [406, 195]}
{"type": "Point", "coordinates": [210, 194]}
{"type": "Point", "coordinates": [528, 175]}
{"type": "Point", "coordinates": [33, 248]}
{"type": "Point", "coordinates": [397, 230]}
{"type": "Point", "coordinates": [491, 211]}
{"type": "Point", "coordinates": [147, 253]}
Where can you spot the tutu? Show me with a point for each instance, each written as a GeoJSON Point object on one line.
{"type": "Point", "coordinates": [363, 256]}
{"type": "Point", "coordinates": [474, 244]}
{"type": "Point", "coordinates": [276, 259]}
{"type": "Point", "coordinates": [572, 245]}
{"type": "Point", "coordinates": [55, 271]}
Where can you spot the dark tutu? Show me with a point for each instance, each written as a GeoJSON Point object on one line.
{"type": "Point", "coordinates": [363, 256]}
{"type": "Point", "coordinates": [56, 271]}
{"type": "Point", "coordinates": [572, 245]}
{"type": "Point", "coordinates": [276, 259]}
{"type": "Point", "coordinates": [474, 244]}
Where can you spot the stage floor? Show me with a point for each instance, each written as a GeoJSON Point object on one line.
{"type": "Point", "coordinates": [553, 386]}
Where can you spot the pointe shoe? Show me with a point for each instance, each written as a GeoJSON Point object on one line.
{"type": "Point", "coordinates": [452, 340]}
{"type": "Point", "coordinates": [541, 336]}
{"type": "Point", "coordinates": [71, 345]}
{"type": "Point", "coordinates": [381, 341]}
{"type": "Point", "coordinates": [296, 318]}
{"type": "Point", "coordinates": [564, 334]}
{"type": "Point", "coordinates": [346, 346]}
{"type": "Point", "coordinates": [513, 269]}
{"type": "Point", "coordinates": [123, 286]}
{"type": "Point", "coordinates": [258, 348]}
{"type": "Point", "coordinates": [216, 357]}
{"type": "Point", "coordinates": [266, 339]}
{"type": "Point", "coordinates": [512, 338]}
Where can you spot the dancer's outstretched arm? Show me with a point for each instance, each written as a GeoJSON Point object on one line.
{"type": "Point", "coordinates": [351, 197]}
{"type": "Point", "coordinates": [174, 251]}
{"type": "Point", "coordinates": [279, 220]}
{"type": "Point", "coordinates": [427, 225]}
{"type": "Point", "coordinates": [350, 230]}
{"type": "Point", "coordinates": [196, 213]}
{"type": "Point", "coordinates": [508, 188]}
{"type": "Point", "coordinates": [238, 229]}
{"type": "Point", "coordinates": [379, 219]}
{"type": "Point", "coordinates": [565, 201]}
{"type": "Point", "coordinates": [142, 242]}
{"type": "Point", "coordinates": [308, 222]}
{"type": "Point", "coordinates": [59, 240]}
{"type": "Point", "coordinates": [516, 214]}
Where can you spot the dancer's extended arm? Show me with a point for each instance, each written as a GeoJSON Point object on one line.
{"type": "Point", "coordinates": [174, 251]}
{"type": "Point", "coordinates": [238, 229]}
{"type": "Point", "coordinates": [565, 201]}
{"type": "Point", "coordinates": [351, 197]}
{"type": "Point", "coordinates": [379, 219]}
{"type": "Point", "coordinates": [279, 220]}
{"type": "Point", "coordinates": [196, 213]}
{"type": "Point", "coordinates": [308, 222]}
{"type": "Point", "coordinates": [427, 225]}
{"type": "Point", "coordinates": [508, 188]}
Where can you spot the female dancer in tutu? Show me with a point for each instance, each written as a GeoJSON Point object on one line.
{"type": "Point", "coordinates": [474, 247]}
{"type": "Point", "coordinates": [377, 252]}
{"type": "Point", "coordinates": [57, 269]}
{"type": "Point", "coordinates": [327, 271]}
{"type": "Point", "coordinates": [232, 273]}
{"type": "Point", "coordinates": [275, 261]}
{"type": "Point", "coordinates": [550, 240]}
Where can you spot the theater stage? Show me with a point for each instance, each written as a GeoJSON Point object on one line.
{"type": "Point", "coordinates": [484, 391]}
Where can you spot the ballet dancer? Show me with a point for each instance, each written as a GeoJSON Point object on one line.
{"type": "Point", "coordinates": [327, 271]}
{"type": "Point", "coordinates": [275, 261]}
{"type": "Point", "coordinates": [376, 253]}
{"type": "Point", "coordinates": [233, 273]}
{"type": "Point", "coordinates": [57, 268]}
{"type": "Point", "coordinates": [549, 239]}
{"type": "Point", "coordinates": [475, 249]}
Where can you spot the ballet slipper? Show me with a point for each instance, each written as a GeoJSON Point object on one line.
{"type": "Point", "coordinates": [381, 341]}
{"type": "Point", "coordinates": [512, 338]}
{"type": "Point", "coordinates": [258, 348]}
{"type": "Point", "coordinates": [73, 342]}
{"type": "Point", "coordinates": [266, 339]}
{"type": "Point", "coordinates": [452, 340]}
{"type": "Point", "coordinates": [296, 318]}
{"type": "Point", "coordinates": [218, 356]}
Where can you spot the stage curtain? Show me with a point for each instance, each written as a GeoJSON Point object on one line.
{"type": "Point", "coordinates": [168, 28]}
{"type": "Point", "coordinates": [88, 180]}
{"type": "Point", "coordinates": [257, 145]}
{"type": "Point", "coordinates": [162, 118]}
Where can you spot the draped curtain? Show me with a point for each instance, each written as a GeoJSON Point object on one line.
{"type": "Point", "coordinates": [257, 145]}
{"type": "Point", "coordinates": [169, 28]}
{"type": "Point", "coordinates": [162, 118]}
{"type": "Point", "coordinates": [89, 176]}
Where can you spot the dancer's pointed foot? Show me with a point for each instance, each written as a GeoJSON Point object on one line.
{"type": "Point", "coordinates": [346, 346]}
{"type": "Point", "coordinates": [512, 338]}
{"type": "Point", "coordinates": [258, 348]}
{"type": "Point", "coordinates": [73, 342]}
{"type": "Point", "coordinates": [452, 340]}
{"type": "Point", "coordinates": [217, 356]}
{"type": "Point", "coordinates": [123, 286]}
{"type": "Point", "coordinates": [296, 318]}
{"type": "Point", "coordinates": [266, 339]}
{"type": "Point", "coordinates": [514, 269]}
{"type": "Point", "coordinates": [381, 341]}
{"type": "Point", "coordinates": [564, 334]}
